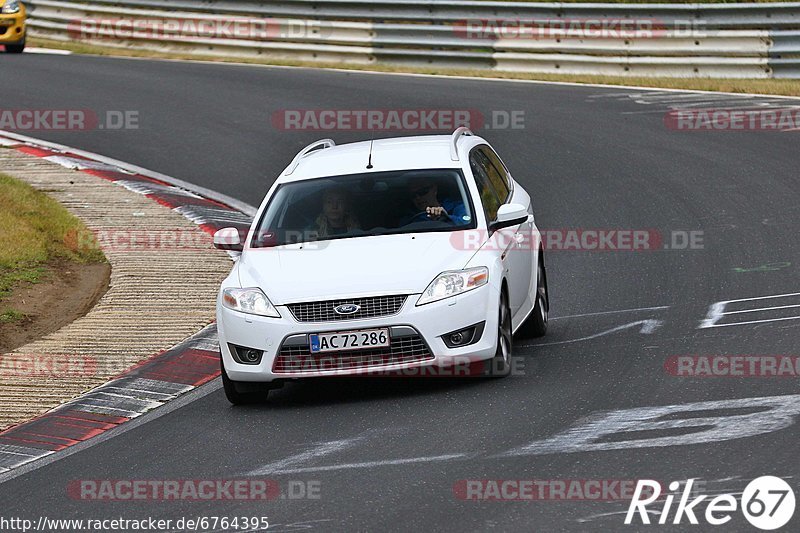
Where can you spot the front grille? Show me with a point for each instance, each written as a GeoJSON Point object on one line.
{"type": "Point", "coordinates": [299, 360]}
{"type": "Point", "coordinates": [369, 307]}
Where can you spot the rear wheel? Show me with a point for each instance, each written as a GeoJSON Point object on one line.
{"type": "Point", "coordinates": [538, 319]}
{"type": "Point", "coordinates": [243, 393]}
{"type": "Point", "coordinates": [500, 364]}
{"type": "Point", "coordinates": [15, 48]}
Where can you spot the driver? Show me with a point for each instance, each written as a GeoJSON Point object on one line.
{"type": "Point", "coordinates": [424, 194]}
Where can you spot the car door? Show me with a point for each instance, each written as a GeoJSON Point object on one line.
{"type": "Point", "coordinates": [495, 187]}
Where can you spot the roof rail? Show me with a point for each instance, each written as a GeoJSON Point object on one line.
{"type": "Point", "coordinates": [316, 145]}
{"type": "Point", "coordinates": [463, 130]}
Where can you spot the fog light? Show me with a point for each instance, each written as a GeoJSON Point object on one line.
{"type": "Point", "coordinates": [251, 356]}
{"type": "Point", "coordinates": [456, 338]}
{"type": "Point", "coordinates": [246, 356]}
{"type": "Point", "coordinates": [464, 337]}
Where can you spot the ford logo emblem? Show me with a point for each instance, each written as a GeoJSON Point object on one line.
{"type": "Point", "coordinates": [347, 309]}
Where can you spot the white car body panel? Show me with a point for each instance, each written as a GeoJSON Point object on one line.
{"type": "Point", "coordinates": [388, 264]}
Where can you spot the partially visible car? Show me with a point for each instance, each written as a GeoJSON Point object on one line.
{"type": "Point", "coordinates": [12, 26]}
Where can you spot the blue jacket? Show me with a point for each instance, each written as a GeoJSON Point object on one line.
{"type": "Point", "coordinates": [456, 211]}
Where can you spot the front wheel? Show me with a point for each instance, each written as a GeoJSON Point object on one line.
{"type": "Point", "coordinates": [542, 308]}
{"type": "Point", "coordinates": [240, 393]}
{"type": "Point", "coordinates": [536, 324]}
{"type": "Point", "coordinates": [500, 364]}
{"type": "Point", "coordinates": [15, 48]}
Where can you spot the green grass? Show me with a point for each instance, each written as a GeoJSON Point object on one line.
{"type": "Point", "coordinates": [35, 230]}
{"type": "Point", "coordinates": [757, 86]}
{"type": "Point", "coordinates": [9, 315]}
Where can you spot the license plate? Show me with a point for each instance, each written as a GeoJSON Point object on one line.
{"type": "Point", "coordinates": [349, 340]}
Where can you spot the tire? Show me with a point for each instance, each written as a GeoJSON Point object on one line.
{"type": "Point", "coordinates": [537, 322]}
{"type": "Point", "coordinates": [500, 364]}
{"type": "Point", "coordinates": [239, 393]}
{"type": "Point", "coordinates": [15, 48]}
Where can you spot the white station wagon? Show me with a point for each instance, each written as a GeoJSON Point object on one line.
{"type": "Point", "coordinates": [381, 257]}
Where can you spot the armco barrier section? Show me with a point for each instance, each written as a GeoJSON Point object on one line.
{"type": "Point", "coordinates": [685, 40]}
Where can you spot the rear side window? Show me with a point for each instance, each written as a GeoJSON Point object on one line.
{"type": "Point", "coordinates": [495, 170]}
{"type": "Point", "coordinates": [489, 197]}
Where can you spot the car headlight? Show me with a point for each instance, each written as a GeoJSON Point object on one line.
{"type": "Point", "coordinates": [449, 284]}
{"type": "Point", "coordinates": [12, 6]}
{"type": "Point", "coordinates": [252, 301]}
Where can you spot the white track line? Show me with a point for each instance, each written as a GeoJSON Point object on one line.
{"type": "Point", "coordinates": [612, 312]}
{"type": "Point", "coordinates": [320, 450]}
{"type": "Point", "coordinates": [648, 327]}
{"type": "Point", "coordinates": [49, 51]}
{"type": "Point", "coordinates": [373, 464]}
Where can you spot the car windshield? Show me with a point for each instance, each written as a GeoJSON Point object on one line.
{"type": "Point", "coordinates": [359, 205]}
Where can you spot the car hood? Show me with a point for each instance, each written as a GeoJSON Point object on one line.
{"type": "Point", "coordinates": [343, 268]}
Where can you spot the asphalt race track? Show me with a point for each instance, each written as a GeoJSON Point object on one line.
{"type": "Point", "coordinates": [394, 454]}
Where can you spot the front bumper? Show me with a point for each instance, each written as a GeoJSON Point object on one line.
{"type": "Point", "coordinates": [12, 28]}
{"type": "Point", "coordinates": [428, 323]}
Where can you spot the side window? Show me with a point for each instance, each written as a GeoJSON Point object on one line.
{"type": "Point", "coordinates": [491, 202]}
{"type": "Point", "coordinates": [496, 171]}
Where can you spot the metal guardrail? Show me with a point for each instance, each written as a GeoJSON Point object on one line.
{"type": "Point", "coordinates": [687, 40]}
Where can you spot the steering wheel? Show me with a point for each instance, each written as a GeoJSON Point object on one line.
{"type": "Point", "coordinates": [445, 218]}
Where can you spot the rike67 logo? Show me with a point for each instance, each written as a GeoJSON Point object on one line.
{"type": "Point", "coordinates": [767, 503]}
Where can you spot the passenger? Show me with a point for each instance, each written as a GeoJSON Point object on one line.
{"type": "Point", "coordinates": [337, 217]}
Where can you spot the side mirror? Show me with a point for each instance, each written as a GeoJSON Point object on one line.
{"type": "Point", "coordinates": [228, 239]}
{"type": "Point", "coordinates": [509, 215]}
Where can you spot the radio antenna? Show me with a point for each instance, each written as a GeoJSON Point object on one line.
{"type": "Point", "coordinates": [369, 159]}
